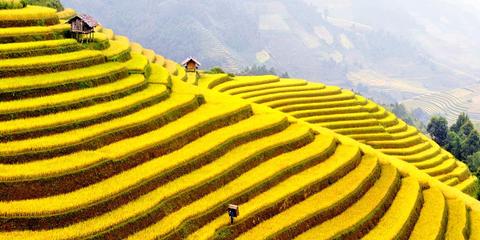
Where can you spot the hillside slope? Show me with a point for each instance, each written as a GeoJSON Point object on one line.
{"type": "Point", "coordinates": [106, 140]}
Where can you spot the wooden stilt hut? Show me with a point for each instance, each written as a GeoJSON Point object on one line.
{"type": "Point", "coordinates": [83, 27]}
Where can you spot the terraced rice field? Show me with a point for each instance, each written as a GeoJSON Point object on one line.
{"type": "Point", "coordinates": [350, 115]}
{"type": "Point", "coordinates": [121, 147]}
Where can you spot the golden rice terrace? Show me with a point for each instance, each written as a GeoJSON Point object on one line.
{"type": "Point", "coordinates": [108, 140]}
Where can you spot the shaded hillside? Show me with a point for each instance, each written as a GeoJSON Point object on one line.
{"type": "Point", "coordinates": [291, 36]}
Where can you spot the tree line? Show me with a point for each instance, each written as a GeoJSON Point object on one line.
{"type": "Point", "coordinates": [461, 139]}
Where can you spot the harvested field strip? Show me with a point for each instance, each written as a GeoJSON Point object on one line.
{"type": "Point", "coordinates": [312, 100]}
{"type": "Point", "coordinates": [51, 83]}
{"type": "Point", "coordinates": [325, 106]}
{"type": "Point", "coordinates": [171, 67]}
{"type": "Point", "coordinates": [350, 124]}
{"type": "Point", "coordinates": [160, 60]}
{"type": "Point", "coordinates": [155, 200]}
{"type": "Point", "coordinates": [320, 206]}
{"type": "Point", "coordinates": [71, 98]}
{"type": "Point", "coordinates": [84, 138]}
{"type": "Point", "coordinates": [309, 87]}
{"type": "Point", "coordinates": [457, 224]}
{"type": "Point", "coordinates": [64, 121]}
{"type": "Point", "coordinates": [239, 82]}
{"type": "Point", "coordinates": [50, 63]}
{"type": "Point", "coordinates": [248, 185]}
{"type": "Point", "coordinates": [283, 83]}
{"type": "Point", "coordinates": [400, 218]}
{"type": "Point", "coordinates": [149, 54]}
{"type": "Point", "coordinates": [328, 91]}
{"type": "Point", "coordinates": [356, 220]}
{"type": "Point", "coordinates": [118, 51]}
{"type": "Point", "coordinates": [30, 49]}
{"type": "Point", "coordinates": [290, 189]}
{"type": "Point", "coordinates": [433, 217]}
{"type": "Point", "coordinates": [160, 76]}
{"type": "Point", "coordinates": [328, 111]}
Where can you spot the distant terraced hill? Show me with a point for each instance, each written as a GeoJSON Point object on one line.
{"type": "Point", "coordinates": [109, 140]}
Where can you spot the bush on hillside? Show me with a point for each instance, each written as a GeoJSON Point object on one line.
{"type": "Point", "coordinates": [12, 4]}
{"type": "Point", "coordinates": [46, 3]}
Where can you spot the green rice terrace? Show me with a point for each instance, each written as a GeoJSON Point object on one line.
{"type": "Point", "coordinates": [106, 139]}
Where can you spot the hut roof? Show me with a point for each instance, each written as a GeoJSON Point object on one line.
{"type": "Point", "coordinates": [89, 20]}
{"type": "Point", "coordinates": [184, 63]}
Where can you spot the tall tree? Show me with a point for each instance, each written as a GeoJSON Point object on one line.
{"type": "Point", "coordinates": [454, 145]}
{"type": "Point", "coordinates": [461, 120]}
{"type": "Point", "coordinates": [438, 130]}
{"type": "Point", "coordinates": [471, 145]}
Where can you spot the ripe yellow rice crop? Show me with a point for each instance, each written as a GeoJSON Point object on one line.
{"type": "Point", "coordinates": [17, 63]}
{"type": "Point", "coordinates": [116, 48]}
{"type": "Point", "coordinates": [360, 212]}
{"type": "Point", "coordinates": [343, 157]}
{"type": "Point", "coordinates": [308, 87]}
{"type": "Point", "coordinates": [312, 100]}
{"type": "Point", "coordinates": [408, 150]}
{"type": "Point", "coordinates": [350, 124]}
{"type": "Point", "coordinates": [71, 97]}
{"type": "Point", "coordinates": [21, 31]}
{"type": "Point", "coordinates": [322, 106]}
{"type": "Point", "coordinates": [205, 113]}
{"type": "Point", "coordinates": [210, 80]}
{"type": "Point", "coordinates": [160, 60]}
{"type": "Point", "coordinates": [28, 13]}
{"type": "Point", "coordinates": [138, 63]}
{"type": "Point", "coordinates": [457, 224]}
{"type": "Point", "coordinates": [475, 225]}
{"type": "Point", "coordinates": [15, 47]}
{"type": "Point", "coordinates": [444, 168]}
{"type": "Point", "coordinates": [242, 81]}
{"type": "Point", "coordinates": [66, 13]}
{"type": "Point", "coordinates": [326, 200]}
{"type": "Point", "coordinates": [281, 84]}
{"type": "Point", "coordinates": [143, 204]}
{"type": "Point", "coordinates": [83, 114]}
{"type": "Point", "coordinates": [247, 180]}
{"type": "Point", "coordinates": [108, 32]}
{"type": "Point", "coordinates": [400, 214]}
{"type": "Point", "coordinates": [328, 91]}
{"type": "Point", "coordinates": [69, 163]}
{"type": "Point", "coordinates": [432, 220]}
{"type": "Point", "coordinates": [57, 78]}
